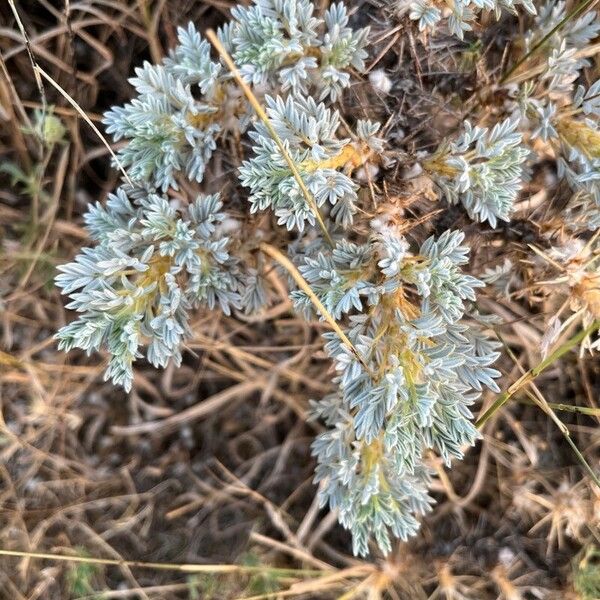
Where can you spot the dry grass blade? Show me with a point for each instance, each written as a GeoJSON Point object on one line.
{"type": "Point", "coordinates": [34, 63]}
{"type": "Point", "coordinates": [571, 408]}
{"type": "Point", "coordinates": [83, 115]}
{"type": "Point", "coordinates": [530, 375]}
{"type": "Point", "coordinates": [206, 407]}
{"type": "Point", "coordinates": [287, 264]}
{"type": "Point", "coordinates": [183, 568]}
{"type": "Point", "coordinates": [214, 40]}
{"type": "Point", "coordinates": [537, 398]}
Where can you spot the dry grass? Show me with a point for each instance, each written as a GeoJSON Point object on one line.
{"type": "Point", "coordinates": [210, 464]}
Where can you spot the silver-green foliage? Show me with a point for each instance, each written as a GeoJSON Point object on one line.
{"type": "Point", "coordinates": [575, 140]}
{"type": "Point", "coordinates": [563, 44]}
{"type": "Point", "coordinates": [424, 359]}
{"type": "Point", "coordinates": [580, 143]}
{"type": "Point", "coordinates": [153, 261]}
{"type": "Point", "coordinates": [423, 365]}
{"type": "Point", "coordinates": [309, 133]}
{"type": "Point", "coordinates": [151, 264]}
{"type": "Point", "coordinates": [171, 127]}
{"type": "Point", "coordinates": [283, 44]}
{"type": "Point", "coordinates": [561, 113]}
{"type": "Point", "coordinates": [458, 16]}
{"type": "Point", "coordinates": [161, 123]}
{"type": "Point", "coordinates": [482, 169]}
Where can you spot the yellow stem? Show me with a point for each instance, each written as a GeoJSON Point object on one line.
{"type": "Point", "coordinates": [287, 264]}
{"type": "Point", "coordinates": [214, 40]}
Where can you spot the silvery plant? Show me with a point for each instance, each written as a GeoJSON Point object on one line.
{"type": "Point", "coordinates": [572, 130]}
{"type": "Point", "coordinates": [481, 169]}
{"type": "Point", "coordinates": [457, 17]}
{"type": "Point", "coordinates": [560, 113]}
{"type": "Point", "coordinates": [152, 263]}
{"type": "Point", "coordinates": [183, 108]}
{"type": "Point", "coordinates": [425, 360]}
{"type": "Point", "coordinates": [415, 355]}
{"type": "Point", "coordinates": [422, 365]}
{"type": "Point", "coordinates": [282, 43]}
{"type": "Point", "coordinates": [170, 130]}
{"type": "Point", "coordinates": [184, 105]}
{"type": "Point", "coordinates": [324, 161]}
{"type": "Point", "coordinates": [561, 51]}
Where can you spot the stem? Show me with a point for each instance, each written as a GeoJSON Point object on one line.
{"type": "Point", "coordinates": [530, 375]}
{"type": "Point", "coordinates": [287, 264]}
{"type": "Point", "coordinates": [572, 408]}
{"type": "Point", "coordinates": [39, 71]}
{"type": "Point", "coordinates": [185, 568]}
{"type": "Point", "coordinates": [572, 15]}
{"type": "Point", "coordinates": [260, 111]}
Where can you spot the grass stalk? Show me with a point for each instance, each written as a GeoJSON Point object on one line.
{"type": "Point", "coordinates": [262, 115]}
{"type": "Point", "coordinates": [530, 375]}
{"type": "Point", "coordinates": [182, 568]}
{"type": "Point", "coordinates": [287, 264]}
